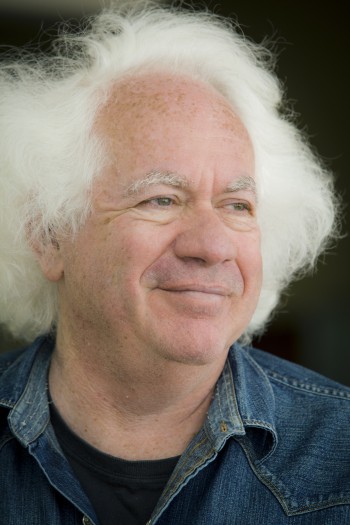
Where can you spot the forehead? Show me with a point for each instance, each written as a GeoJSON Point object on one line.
{"type": "Point", "coordinates": [161, 122]}
{"type": "Point", "coordinates": [139, 102]}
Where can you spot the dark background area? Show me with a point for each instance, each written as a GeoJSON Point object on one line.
{"type": "Point", "coordinates": [311, 326]}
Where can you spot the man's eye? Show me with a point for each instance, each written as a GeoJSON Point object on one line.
{"type": "Point", "coordinates": [239, 206]}
{"type": "Point", "coordinates": [163, 202]}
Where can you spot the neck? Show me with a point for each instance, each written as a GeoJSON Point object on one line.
{"type": "Point", "coordinates": [130, 408]}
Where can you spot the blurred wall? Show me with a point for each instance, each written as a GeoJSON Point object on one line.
{"type": "Point", "coordinates": [311, 327]}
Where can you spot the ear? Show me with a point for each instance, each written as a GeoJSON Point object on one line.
{"type": "Point", "coordinates": [49, 258]}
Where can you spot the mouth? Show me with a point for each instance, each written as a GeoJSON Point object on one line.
{"type": "Point", "coordinates": [198, 289]}
{"type": "Point", "coordinates": [195, 300]}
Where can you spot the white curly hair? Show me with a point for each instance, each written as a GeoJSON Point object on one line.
{"type": "Point", "coordinates": [49, 154]}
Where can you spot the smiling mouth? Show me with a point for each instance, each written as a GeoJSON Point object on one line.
{"type": "Point", "coordinates": [200, 301]}
{"type": "Point", "coordinates": [198, 290]}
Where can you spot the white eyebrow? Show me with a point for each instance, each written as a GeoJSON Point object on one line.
{"type": "Point", "coordinates": [244, 183]}
{"type": "Point", "coordinates": [155, 177]}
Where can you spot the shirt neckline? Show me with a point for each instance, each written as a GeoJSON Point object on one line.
{"type": "Point", "coordinates": [106, 464]}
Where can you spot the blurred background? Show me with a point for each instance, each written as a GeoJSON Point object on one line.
{"type": "Point", "coordinates": [312, 324]}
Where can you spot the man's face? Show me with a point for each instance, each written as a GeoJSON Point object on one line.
{"type": "Point", "coordinates": [168, 265]}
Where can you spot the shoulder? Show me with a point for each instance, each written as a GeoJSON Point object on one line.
{"type": "Point", "coordinates": [290, 391]}
{"type": "Point", "coordinates": [18, 366]}
{"type": "Point", "coordinates": [310, 465]}
{"type": "Point", "coordinates": [296, 380]}
{"type": "Point", "coordinates": [306, 401]}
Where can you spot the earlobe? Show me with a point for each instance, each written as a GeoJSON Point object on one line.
{"type": "Point", "coordinates": [50, 259]}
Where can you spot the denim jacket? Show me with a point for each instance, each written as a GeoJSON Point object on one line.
{"type": "Point", "coordinates": [274, 450]}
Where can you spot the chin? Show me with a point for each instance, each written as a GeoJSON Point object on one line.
{"type": "Point", "coordinates": [196, 353]}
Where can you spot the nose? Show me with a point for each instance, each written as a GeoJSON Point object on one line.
{"type": "Point", "coordinates": [205, 238]}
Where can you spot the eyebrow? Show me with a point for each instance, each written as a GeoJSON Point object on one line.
{"type": "Point", "coordinates": [244, 183]}
{"type": "Point", "coordinates": [156, 177]}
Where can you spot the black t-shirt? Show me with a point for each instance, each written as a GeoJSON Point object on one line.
{"type": "Point", "coordinates": [121, 492]}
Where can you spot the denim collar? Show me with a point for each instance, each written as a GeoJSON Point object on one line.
{"type": "Point", "coordinates": [243, 404]}
{"type": "Point", "coordinates": [23, 389]}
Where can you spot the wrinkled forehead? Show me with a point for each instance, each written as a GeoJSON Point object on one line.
{"type": "Point", "coordinates": [142, 100]}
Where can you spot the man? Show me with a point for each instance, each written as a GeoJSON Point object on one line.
{"type": "Point", "coordinates": [155, 204]}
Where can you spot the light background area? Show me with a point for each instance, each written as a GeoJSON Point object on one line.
{"type": "Point", "coordinates": [312, 324]}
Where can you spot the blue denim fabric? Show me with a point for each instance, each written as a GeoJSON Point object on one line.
{"type": "Point", "coordinates": [274, 450]}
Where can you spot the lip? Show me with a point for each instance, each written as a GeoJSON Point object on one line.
{"type": "Point", "coordinates": [198, 288]}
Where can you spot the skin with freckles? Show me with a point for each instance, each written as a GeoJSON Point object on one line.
{"type": "Point", "coordinates": [166, 273]}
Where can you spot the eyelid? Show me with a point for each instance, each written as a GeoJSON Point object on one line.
{"type": "Point", "coordinates": [173, 198]}
{"type": "Point", "coordinates": [250, 203]}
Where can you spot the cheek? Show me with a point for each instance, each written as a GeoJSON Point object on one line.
{"type": "Point", "coordinates": [129, 251]}
{"type": "Point", "coordinates": [86, 263]}
{"type": "Point", "coordinates": [250, 262]}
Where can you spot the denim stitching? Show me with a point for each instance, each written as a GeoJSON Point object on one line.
{"type": "Point", "coordinates": [283, 494]}
{"type": "Point", "coordinates": [32, 416]}
{"type": "Point", "coordinates": [229, 383]}
{"type": "Point", "coordinates": [271, 481]}
{"type": "Point", "coordinates": [309, 387]}
{"type": "Point", "coordinates": [258, 422]}
{"type": "Point", "coordinates": [171, 492]}
{"type": "Point", "coordinates": [219, 402]}
{"type": "Point", "coordinates": [183, 476]}
{"type": "Point", "coordinates": [6, 403]}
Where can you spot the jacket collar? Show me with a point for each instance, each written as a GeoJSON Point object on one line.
{"type": "Point", "coordinates": [243, 404]}
{"type": "Point", "coordinates": [23, 389]}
